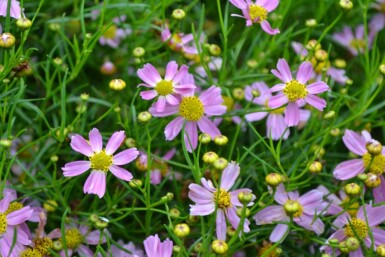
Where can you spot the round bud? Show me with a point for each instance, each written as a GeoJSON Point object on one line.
{"type": "Point", "coordinates": [108, 68]}
{"type": "Point", "coordinates": [204, 138]}
{"type": "Point", "coordinates": [330, 115]}
{"type": "Point", "coordinates": [192, 219]}
{"type": "Point", "coordinates": [101, 224]}
{"type": "Point", "coordinates": [255, 93]}
{"type": "Point", "coordinates": [349, 82]}
{"type": "Point", "coordinates": [174, 213]}
{"type": "Point", "coordinates": [84, 97]}
{"type": "Point", "coordinates": [382, 69]}
{"type": "Point", "coordinates": [130, 142]}
{"type": "Point", "coordinates": [209, 157]}
{"type": "Point", "coordinates": [117, 84]}
{"type": "Point", "coordinates": [313, 45]}
{"type": "Point", "coordinates": [352, 244]}
{"type": "Point", "coordinates": [220, 164]}
{"type": "Point", "coordinates": [333, 241]}
{"type": "Point", "coordinates": [311, 23]}
{"type": "Point", "coordinates": [170, 196]}
{"type": "Point", "coordinates": [335, 132]}
{"type": "Point", "coordinates": [315, 167]}
{"type": "Point", "coordinates": [374, 147]}
{"type": "Point", "coordinates": [346, 4]}
{"type": "Point", "coordinates": [252, 63]}
{"type": "Point", "coordinates": [245, 197]}
{"type": "Point", "coordinates": [373, 180]}
{"type": "Point", "coordinates": [362, 176]}
{"type": "Point", "coordinates": [50, 205]}
{"type": "Point", "coordinates": [135, 183]}
{"type": "Point", "coordinates": [230, 231]}
{"type": "Point", "coordinates": [178, 14]}
{"type": "Point", "coordinates": [221, 140]}
{"type": "Point", "coordinates": [138, 52]}
{"type": "Point", "coordinates": [291, 207]}
{"type": "Point", "coordinates": [381, 250]}
{"type": "Point", "coordinates": [198, 247]}
{"type": "Point", "coordinates": [23, 23]}
{"type": "Point", "coordinates": [94, 217]}
{"type": "Point", "coordinates": [219, 246]}
{"type": "Point", "coordinates": [6, 143]}
{"type": "Point", "coordinates": [352, 189]}
{"type": "Point", "coordinates": [340, 63]}
{"type": "Point", "coordinates": [343, 247]}
{"type": "Point", "coordinates": [175, 249]}
{"type": "Point", "coordinates": [273, 179]}
{"type": "Point", "coordinates": [240, 211]}
{"type": "Point", "coordinates": [321, 55]}
{"type": "Point", "coordinates": [6, 80]}
{"type": "Point", "coordinates": [214, 50]}
{"type": "Point", "coordinates": [343, 91]}
{"type": "Point", "coordinates": [326, 255]}
{"type": "Point", "coordinates": [57, 246]}
{"type": "Point", "coordinates": [144, 117]}
{"type": "Point", "coordinates": [7, 40]}
{"type": "Point", "coordinates": [238, 93]}
{"type": "Point", "coordinates": [318, 150]}
{"type": "Point", "coordinates": [182, 230]}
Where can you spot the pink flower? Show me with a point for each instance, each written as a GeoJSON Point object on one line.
{"type": "Point", "coordinates": [257, 12]}
{"type": "Point", "coordinates": [178, 41]}
{"type": "Point", "coordinates": [276, 127]}
{"type": "Point", "coordinates": [129, 250]}
{"type": "Point", "coordinates": [194, 112]}
{"type": "Point", "coordinates": [173, 83]}
{"type": "Point", "coordinates": [361, 227]}
{"type": "Point", "coordinates": [355, 42]}
{"type": "Point", "coordinates": [114, 35]}
{"type": "Point", "coordinates": [155, 248]}
{"type": "Point", "coordinates": [14, 12]}
{"type": "Point", "coordinates": [11, 227]}
{"type": "Point", "coordinates": [309, 207]}
{"type": "Point", "coordinates": [100, 160]}
{"type": "Point", "coordinates": [295, 91]}
{"type": "Point", "coordinates": [207, 197]}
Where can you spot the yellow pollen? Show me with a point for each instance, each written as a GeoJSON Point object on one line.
{"type": "Point", "coordinates": [164, 87]}
{"type": "Point", "coordinates": [3, 223]}
{"type": "Point", "coordinates": [358, 44]}
{"type": "Point", "coordinates": [257, 13]}
{"type": "Point", "coordinates": [29, 252]}
{"type": "Point", "coordinates": [110, 32]}
{"type": "Point", "coordinates": [101, 161]}
{"type": "Point", "coordinates": [15, 206]}
{"type": "Point", "coordinates": [356, 228]}
{"type": "Point", "coordinates": [191, 108]}
{"type": "Point", "coordinates": [295, 90]}
{"type": "Point", "coordinates": [43, 245]}
{"type": "Point", "coordinates": [375, 166]}
{"type": "Point", "coordinates": [293, 204]}
{"type": "Point", "coordinates": [223, 199]}
{"type": "Point", "coordinates": [73, 238]}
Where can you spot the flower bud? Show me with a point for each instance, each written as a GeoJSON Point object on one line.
{"type": "Point", "coordinates": [23, 23]}
{"type": "Point", "coordinates": [362, 176]}
{"type": "Point", "coordinates": [255, 93]}
{"type": "Point", "coordinates": [221, 140]}
{"type": "Point", "coordinates": [219, 246]}
{"type": "Point", "coordinates": [174, 213]}
{"type": "Point", "coordinates": [117, 84]}
{"type": "Point", "coordinates": [50, 205]}
{"type": "Point", "coordinates": [340, 63]}
{"type": "Point", "coordinates": [94, 217]}
{"type": "Point", "coordinates": [198, 247]}
{"type": "Point", "coordinates": [214, 50]}
{"type": "Point", "coordinates": [382, 69]}
{"type": "Point", "coordinates": [57, 245]}
{"type": "Point", "coordinates": [144, 117]}
{"type": "Point", "coordinates": [108, 68]}
{"type": "Point", "coordinates": [135, 183]}
{"type": "Point", "coordinates": [352, 189]}
{"type": "Point", "coordinates": [330, 115]}
{"type": "Point", "coordinates": [315, 167]}
{"type": "Point", "coordinates": [374, 147]}
{"type": "Point", "coordinates": [204, 138]}
{"type": "Point", "coordinates": [175, 249]}
{"type": "Point", "coordinates": [5, 143]}
{"type": "Point", "coordinates": [381, 250]}
{"type": "Point", "coordinates": [178, 14]}
{"type": "Point", "coordinates": [138, 52]}
{"type": "Point", "coordinates": [7, 40]}
{"type": "Point", "coordinates": [252, 63]}
{"type": "Point", "coordinates": [311, 23]}
{"type": "Point", "coordinates": [238, 93]}
{"type": "Point", "coordinates": [346, 4]}
{"type": "Point", "coordinates": [291, 207]}
{"type": "Point", "coordinates": [220, 164]}
{"type": "Point", "coordinates": [54, 158]}
{"type": "Point", "coordinates": [318, 150]}
{"type": "Point", "coordinates": [349, 82]}
{"type": "Point", "coordinates": [245, 197]}
{"type": "Point", "coordinates": [130, 142]}
{"type": "Point", "coordinates": [334, 241]}
{"type": "Point", "coordinates": [352, 244]}
{"type": "Point", "coordinates": [192, 219]}
{"type": "Point", "coordinates": [335, 132]}
{"type": "Point", "coordinates": [321, 55]}
{"type": "Point", "coordinates": [182, 230]}
{"type": "Point", "coordinates": [273, 179]}
{"type": "Point", "coordinates": [101, 223]}
{"type": "Point", "coordinates": [210, 157]}
{"type": "Point", "coordinates": [343, 247]}
{"type": "Point", "coordinates": [313, 45]}
{"type": "Point", "coordinates": [84, 97]}
{"type": "Point", "coordinates": [373, 180]}
{"type": "Point", "coordinates": [240, 211]}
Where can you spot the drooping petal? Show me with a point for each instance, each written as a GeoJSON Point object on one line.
{"type": "Point", "coordinates": [207, 126]}
{"type": "Point", "coordinates": [149, 94]}
{"type": "Point", "coordinates": [292, 114]}
{"type": "Point", "coordinates": [229, 175]}
{"type": "Point", "coordinates": [348, 169]}
{"type": "Point", "coordinates": [96, 140]}
{"type": "Point", "coordinates": [115, 142]}
{"type": "Point", "coordinates": [221, 226]}
{"type": "Point", "coordinates": [16, 217]}
{"type": "Point", "coordinates": [125, 156]}
{"type": "Point", "coordinates": [279, 232]}
{"type": "Point", "coordinates": [121, 173]}
{"type": "Point", "coordinates": [191, 136]}
{"type": "Point", "coordinates": [95, 183]}
{"type": "Point", "coordinates": [173, 128]}
{"type": "Point", "coordinates": [76, 168]}
{"type": "Point", "coordinates": [265, 25]}
{"type": "Point", "coordinates": [277, 101]}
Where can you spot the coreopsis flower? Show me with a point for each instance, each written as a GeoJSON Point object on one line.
{"type": "Point", "coordinates": [363, 227]}
{"type": "Point", "coordinates": [276, 127]}
{"type": "Point", "coordinates": [114, 35]}
{"type": "Point", "coordinates": [257, 12]}
{"type": "Point", "coordinates": [207, 197]}
{"type": "Point", "coordinates": [101, 160]}
{"type": "Point", "coordinates": [165, 89]}
{"type": "Point", "coordinates": [14, 11]}
{"type": "Point", "coordinates": [155, 248]}
{"type": "Point", "coordinates": [13, 238]}
{"type": "Point", "coordinates": [295, 92]}
{"type": "Point", "coordinates": [355, 41]}
{"type": "Point", "coordinates": [194, 112]}
{"type": "Point", "coordinates": [304, 211]}
{"type": "Point", "coordinates": [178, 42]}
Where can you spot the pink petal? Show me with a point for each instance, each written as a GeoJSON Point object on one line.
{"type": "Point", "coordinates": [191, 136]}
{"type": "Point", "coordinates": [379, 236]}
{"type": "Point", "coordinates": [317, 87]}
{"type": "Point", "coordinates": [269, 5]}
{"type": "Point", "coordinates": [276, 127]}
{"type": "Point", "coordinates": [207, 126]}
{"type": "Point", "coordinates": [308, 222]}
{"type": "Point", "coordinates": [125, 156]}
{"type": "Point", "coordinates": [80, 145]}
{"type": "Point", "coordinates": [168, 110]}
{"type": "Point", "coordinates": [96, 140]}
{"type": "Point", "coordinates": [95, 183]}
{"type": "Point", "coordinates": [115, 142]}
{"type": "Point", "coordinates": [348, 169]}
{"type": "Point", "coordinates": [284, 70]}
{"type": "Point", "coordinates": [181, 74]}
{"type": "Point", "coordinates": [215, 110]}
{"type": "Point", "coordinates": [234, 219]}
{"type": "Point", "coordinates": [172, 100]}
{"type": "Point", "coordinates": [270, 214]}
{"type": "Point", "coordinates": [149, 94]}
{"type": "Point", "coordinates": [121, 173]}
{"type": "Point", "coordinates": [375, 215]}
{"type": "Point", "coordinates": [354, 142]}
{"type": "Point", "coordinates": [149, 75]}
{"type": "Point", "coordinates": [239, 4]}
{"type": "Point", "coordinates": [221, 225]}
{"type": "Point", "coordinates": [277, 87]}
{"type": "Point", "coordinates": [84, 251]}
{"type": "Point", "coordinates": [173, 128]}
{"type": "Point", "coordinates": [202, 209]}
{"type": "Point", "coordinates": [171, 69]}
{"type": "Point", "coordinates": [76, 168]}
{"type": "Point", "coordinates": [277, 101]}
{"type": "Point", "coordinates": [93, 237]}
{"type": "Point", "coordinates": [160, 104]}
{"type": "Point", "coordinates": [155, 177]}
{"type": "Point", "coordinates": [379, 192]}
{"type": "Point", "coordinates": [292, 114]}
{"type": "Point", "coordinates": [265, 25]}
{"type": "Point", "coordinates": [200, 194]}
{"type": "Point", "coordinates": [280, 195]}
{"type": "Point", "coordinates": [16, 217]}
{"type": "Point", "coordinates": [304, 73]}
{"type": "Point", "coordinates": [229, 175]}
{"type": "Point", "coordinates": [255, 116]}
{"type": "Point", "coordinates": [279, 232]}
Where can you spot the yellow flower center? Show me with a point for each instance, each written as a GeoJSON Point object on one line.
{"type": "Point", "coordinates": [223, 199]}
{"type": "Point", "coordinates": [164, 87]}
{"type": "Point", "coordinates": [101, 161]}
{"type": "Point", "coordinates": [110, 33]}
{"type": "Point", "coordinates": [357, 228]}
{"type": "Point", "coordinates": [73, 238]}
{"type": "Point", "coordinates": [29, 252]}
{"type": "Point", "coordinates": [376, 164]}
{"type": "Point", "coordinates": [358, 44]}
{"type": "Point", "coordinates": [43, 245]}
{"type": "Point", "coordinates": [3, 223]}
{"type": "Point", "coordinates": [295, 90]}
{"type": "Point", "coordinates": [293, 208]}
{"type": "Point", "coordinates": [191, 108]}
{"type": "Point", "coordinates": [15, 206]}
{"type": "Point", "coordinates": [257, 12]}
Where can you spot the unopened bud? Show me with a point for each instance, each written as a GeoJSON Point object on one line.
{"type": "Point", "coordinates": [352, 244]}
{"type": "Point", "coordinates": [175, 249]}
{"type": "Point", "coordinates": [343, 247]}
{"type": "Point", "coordinates": [381, 250]}
{"type": "Point", "coordinates": [315, 167]}
{"type": "Point", "coordinates": [174, 213]}
{"type": "Point", "coordinates": [198, 247]}
{"type": "Point", "coordinates": [144, 117]}
{"type": "Point", "coordinates": [311, 23]}
{"type": "Point", "coordinates": [192, 219]}
{"type": "Point", "coordinates": [352, 189]}
{"type": "Point", "coordinates": [313, 45]}
{"type": "Point", "coordinates": [5, 143]}
{"type": "Point", "coordinates": [374, 147]}
{"type": "Point", "coordinates": [108, 68]}
{"type": "Point", "coordinates": [50, 205]}
{"type": "Point", "coordinates": [382, 69]}
{"type": "Point", "coordinates": [255, 93]}
{"type": "Point", "coordinates": [349, 82]}
{"type": "Point", "coordinates": [135, 183]}
{"type": "Point", "coordinates": [178, 14]}
{"type": "Point", "coordinates": [23, 23]}
{"type": "Point", "coordinates": [214, 50]}
{"type": "Point", "coordinates": [54, 158]}
{"type": "Point", "coordinates": [252, 63]}
{"type": "Point", "coordinates": [117, 84]}
{"type": "Point", "coordinates": [221, 140]}
{"type": "Point", "coordinates": [373, 180]}
{"type": "Point", "coordinates": [220, 163]}
{"type": "Point", "coordinates": [138, 52]}
{"type": "Point", "coordinates": [239, 212]}
{"type": "Point", "coordinates": [346, 4]}
{"type": "Point", "coordinates": [321, 55]}
{"type": "Point", "coordinates": [273, 179]}
{"type": "Point", "coordinates": [238, 93]}
{"type": "Point", "coordinates": [362, 176]}
{"type": "Point", "coordinates": [57, 246]}
{"type": "Point", "coordinates": [326, 255]}
{"type": "Point", "coordinates": [130, 142]}
{"type": "Point", "coordinates": [340, 63]}
{"type": "Point", "coordinates": [204, 138]}
{"type": "Point", "coordinates": [334, 241]}
{"type": "Point", "coordinates": [7, 40]}
{"type": "Point", "coordinates": [94, 217]}
{"type": "Point", "coordinates": [101, 223]}
{"type": "Point", "coordinates": [210, 157]}
{"type": "Point", "coordinates": [245, 197]}
{"type": "Point", "coordinates": [84, 97]}
{"type": "Point", "coordinates": [291, 207]}
{"type": "Point", "coordinates": [335, 132]}
{"type": "Point", "coordinates": [182, 230]}
{"type": "Point", "coordinates": [330, 115]}
{"type": "Point", "coordinates": [219, 246]}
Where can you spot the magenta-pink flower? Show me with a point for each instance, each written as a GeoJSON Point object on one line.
{"type": "Point", "coordinates": [257, 12]}
{"type": "Point", "coordinates": [207, 197]}
{"type": "Point", "coordinates": [165, 89]}
{"type": "Point", "coordinates": [155, 248]}
{"type": "Point", "coordinates": [194, 112]}
{"type": "Point", "coordinates": [308, 207]}
{"type": "Point", "coordinates": [101, 160]}
{"type": "Point", "coordinates": [362, 227]}
{"type": "Point", "coordinates": [355, 41]}
{"type": "Point", "coordinates": [294, 92]}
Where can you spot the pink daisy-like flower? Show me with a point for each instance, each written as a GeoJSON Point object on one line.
{"type": "Point", "coordinates": [155, 248]}
{"type": "Point", "coordinates": [194, 112]}
{"type": "Point", "coordinates": [100, 160]}
{"type": "Point", "coordinates": [10, 227]}
{"type": "Point", "coordinates": [15, 10]}
{"type": "Point", "coordinates": [114, 35]}
{"type": "Point", "coordinates": [295, 91]}
{"type": "Point", "coordinates": [377, 22]}
{"type": "Point", "coordinates": [206, 197]}
{"type": "Point", "coordinates": [178, 41]}
{"type": "Point", "coordinates": [257, 12]}
{"type": "Point", "coordinates": [173, 83]}
{"type": "Point", "coordinates": [307, 208]}
{"type": "Point", "coordinates": [362, 227]}
{"type": "Point", "coordinates": [259, 93]}
{"type": "Point", "coordinates": [355, 42]}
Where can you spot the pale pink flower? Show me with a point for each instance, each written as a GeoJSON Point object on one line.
{"type": "Point", "coordinates": [165, 89]}
{"type": "Point", "coordinates": [15, 10]}
{"type": "Point", "coordinates": [101, 160]}
{"type": "Point", "coordinates": [276, 126]}
{"type": "Point", "coordinates": [207, 197]}
{"type": "Point", "coordinates": [310, 206]}
{"type": "Point", "coordinates": [355, 41]}
{"type": "Point", "coordinates": [193, 111]}
{"type": "Point", "coordinates": [295, 92]}
{"type": "Point", "coordinates": [367, 220]}
{"type": "Point", "coordinates": [257, 12]}
{"type": "Point", "coordinates": [114, 34]}
{"type": "Point", "coordinates": [155, 248]}
{"type": "Point", "coordinates": [178, 41]}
